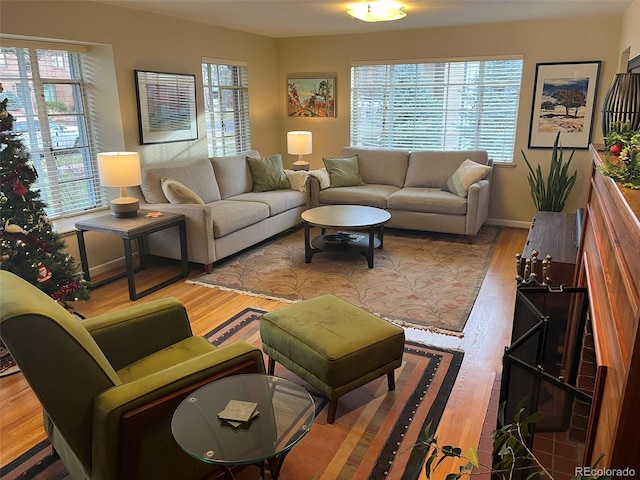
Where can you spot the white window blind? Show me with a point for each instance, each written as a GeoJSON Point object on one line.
{"type": "Point", "coordinates": [450, 105]}
{"type": "Point", "coordinates": [226, 97]}
{"type": "Point", "coordinates": [45, 89]}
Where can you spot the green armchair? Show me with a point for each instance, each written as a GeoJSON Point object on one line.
{"type": "Point", "coordinates": [109, 385]}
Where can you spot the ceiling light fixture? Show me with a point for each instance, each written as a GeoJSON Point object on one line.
{"type": "Point", "coordinates": [378, 11]}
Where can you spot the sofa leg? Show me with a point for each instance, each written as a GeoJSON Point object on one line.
{"type": "Point", "coordinates": [333, 408]}
{"type": "Point", "coordinates": [208, 267]}
{"type": "Point", "coordinates": [271, 366]}
{"type": "Point", "coordinates": [391, 381]}
{"type": "Point", "coordinates": [470, 238]}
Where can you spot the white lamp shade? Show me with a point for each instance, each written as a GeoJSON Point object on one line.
{"type": "Point", "coordinates": [299, 143]}
{"type": "Point", "coordinates": [119, 169]}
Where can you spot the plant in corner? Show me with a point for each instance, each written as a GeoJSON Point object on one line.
{"type": "Point", "coordinates": [551, 195]}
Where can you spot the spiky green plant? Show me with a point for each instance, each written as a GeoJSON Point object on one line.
{"type": "Point", "coordinates": [551, 195]}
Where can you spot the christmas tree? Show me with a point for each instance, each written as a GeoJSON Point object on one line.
{"type": "Point", "coordinates": [28, 245]}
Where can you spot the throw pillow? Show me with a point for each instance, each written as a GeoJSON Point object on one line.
{"type": "Point", "coordinates": [343, 172]}
{"type": "Point", "coordinates": [268, 173]}
{"type": "Point", "coordinates": [297, 179]}
{"type": "Point", "coordinates": [177, 192]}
{"type": "Point", "coordinates": [467, 174]}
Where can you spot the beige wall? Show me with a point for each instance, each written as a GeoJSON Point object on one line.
{"type": "Point", "coordinates": [138, 40]}
{"type": "Point", "coordinates": [540, 41]}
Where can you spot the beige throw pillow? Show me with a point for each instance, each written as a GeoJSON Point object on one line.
{"type": "Point", "coordinates": [177, 192]}
{"type": "Point", "coordinates": [268, 173]}
{"type": "Point", "coordinates": [297, 179]}
{"type": "Point", "coordinates": [466, 175]}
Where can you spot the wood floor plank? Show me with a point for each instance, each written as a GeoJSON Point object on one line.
{"type": "Point", "coordinates": [487, 333]}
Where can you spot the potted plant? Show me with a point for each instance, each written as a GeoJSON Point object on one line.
{"type": "Point", "coordinates": [622, 155]}
{"type": "Point", "coordinates": [551, 195]}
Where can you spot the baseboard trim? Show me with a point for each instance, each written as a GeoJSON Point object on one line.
{"type": "Point", "coordinates": [508, 223]}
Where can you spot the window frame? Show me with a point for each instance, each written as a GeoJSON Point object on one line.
{"type": "Point", "coordinates": [235, 91]}
{"type": "Point", "coordinates": [385, 114]}
{"type": "Point", "coordinates": [67, 173]}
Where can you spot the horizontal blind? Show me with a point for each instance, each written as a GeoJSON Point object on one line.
{"type": "Point", "coordinates": [226, 93]}
{"type": "Point", "coordinates": [455, 105]}
{"type": "Point", "coordinates": [46, 92]}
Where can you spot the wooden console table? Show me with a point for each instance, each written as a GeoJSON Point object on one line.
{"type": "Point", "coordinates": [609, 266]}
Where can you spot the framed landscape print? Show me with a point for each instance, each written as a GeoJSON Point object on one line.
{"type": "Point", "coordinates": [311, 95]}
{"type": "Point", "coordinates": [564, 99]}
{"type": "Point", "coordinates": [166, 107]}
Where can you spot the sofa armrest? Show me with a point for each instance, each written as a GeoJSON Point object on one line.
{"type": "Point", "coordinates": [199, 222]}
{"type": "Point", "coordinates": [314, 191]}
{"type": "Point", "coordinates": [123, 413]}
{"type": "Point", "coordinates": [132, 333]}
{"type": "Point", "coordinates": [477, 205]}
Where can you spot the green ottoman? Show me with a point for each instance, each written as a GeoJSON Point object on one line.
{"type": "Point", "coordinates": [332, 345]}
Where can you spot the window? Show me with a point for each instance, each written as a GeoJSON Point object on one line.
{"type": "Point", "coordinates": [456, 105]}
{"type": "Point", "coordinates": [48, 106]}
{"type": "Point", "coordinates": [226, 105]}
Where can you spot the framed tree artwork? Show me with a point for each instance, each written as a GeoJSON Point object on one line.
{"type": "Point", "coordinates": [311, 95]}
{"type": "Point", "coordinates": [166, 107]}
{"type": "Point", "coordinates": [564, 100]}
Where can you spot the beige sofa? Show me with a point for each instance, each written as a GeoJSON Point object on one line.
{"type": "Point", "coordinates": [410, 186]}
{"type": "Point", "coordinates": [232, 216]}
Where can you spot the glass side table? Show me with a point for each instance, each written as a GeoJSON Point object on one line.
{"type": "Point", "coordinates": [285, 414]}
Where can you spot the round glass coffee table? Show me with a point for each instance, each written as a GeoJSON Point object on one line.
{"type": "Point", "coordinates": [285, 412]}
{"type": "Point", "coordinates": [367, 221]}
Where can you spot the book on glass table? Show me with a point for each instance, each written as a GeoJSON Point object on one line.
{"type": "Point", "coordinates": [238, 412]}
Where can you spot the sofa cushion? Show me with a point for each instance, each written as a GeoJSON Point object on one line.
{"type": "Point", "coordinates": [343, 172]}
{"type": "Point", "coordinates": [380, 166]}
{"type": "Point", "coordinates": [268, 173]}
{"type": "Point", "coordinates": [467, 174]}
{"type": "Point", "coordinates": [432, 169]}
{"type": "Point", "coordinates": [229, 216]}
{"type": "Point", "coordinates": [233, 174]}
{"type": "Point", "coordinates": [427, 200]}
{"type": "Point", "coordinates": [369, 195]}
{"type": "Point", "coordinates": [198, 176]}
{"type": "Point", "coordinates": [177, 192]}
{"type": "Point", "coordinates": [278, 201]}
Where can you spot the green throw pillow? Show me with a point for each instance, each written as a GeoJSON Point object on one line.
{"type": "Point", "coordinates": [268, 173]}
{"type": "Point", "coordinates": [468, 173]}
{"type": "Point", "coordinates": [343, 172]}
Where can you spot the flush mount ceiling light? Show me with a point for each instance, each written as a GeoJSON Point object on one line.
{"type": "Point", "coordinates": [378, 11]}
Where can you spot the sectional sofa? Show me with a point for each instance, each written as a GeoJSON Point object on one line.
{"type": "Point", "coordinates": [224, 214]}
{"type": "Point", "coordinates": [423, 190]}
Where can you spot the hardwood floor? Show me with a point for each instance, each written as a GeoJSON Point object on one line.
{"type": "Point", "coordinates": [487, 332]}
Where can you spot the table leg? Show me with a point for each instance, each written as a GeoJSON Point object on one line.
{"type": "Point", "coordinates": [183, 248]}
{"type": "Point", "coordinates": [83, 254]}
{"type": "Point", "coordinates": [131, 277]}
{"type": "Point", "coordinates": [381, 237]}
{"type": "Point", "coordinates": [307, 244]}
{"type": "Point", "coordinates": [372, 240]}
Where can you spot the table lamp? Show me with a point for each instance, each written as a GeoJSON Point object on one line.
{"type": "Point", "coordinates": [122, 170]}
{"type": "Point", "coordinates": [622, 102]}
{"type": "Point", "coordinates": [299, 143]}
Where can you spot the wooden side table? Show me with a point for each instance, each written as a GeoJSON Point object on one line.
{"type": "Point", "coordinates": [135, 228]}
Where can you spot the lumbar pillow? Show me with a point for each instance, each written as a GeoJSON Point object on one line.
{"type": "Point", "coordinates": [343, 172]}
{"type": "Point", "coordinates": [297, 179]}
{"type": "Point", "coordinates": [268, 173]}
{"type": "Point", "coordinates": [467, 174]}
{"type": "Point", "coordinates": [177, 192]}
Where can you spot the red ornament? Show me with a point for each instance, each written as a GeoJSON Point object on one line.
{"type": "Point", "coordinates": [44, 274]}
{"type": "Point", "coordinates": [615, 149]}
{"type": "Point", "coordinates": [20, 189]}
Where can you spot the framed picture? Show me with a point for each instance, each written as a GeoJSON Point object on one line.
{"type": "Point", "coordinates": [564, 99]}
{"type": "Point", "coordinates": [311, 95]}
{"type": "Point", "coordinates": [166, 107]}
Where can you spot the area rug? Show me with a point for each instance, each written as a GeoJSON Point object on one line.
{"type": "Point", "coordinates": [423, 280]}
{"type": "Point", "coordinates": [374, 433]}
